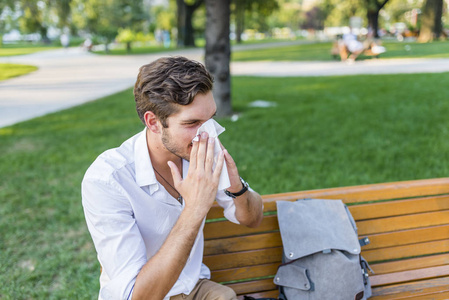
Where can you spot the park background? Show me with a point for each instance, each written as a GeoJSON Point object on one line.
{"type": "Point", "coordinates": [314, 132]}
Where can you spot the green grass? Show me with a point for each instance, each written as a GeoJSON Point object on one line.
{"type": "Point", "coordinates": [321, 52]}
{"type": "Point", "coordinates": [23, 48]}
{"type": "Point", "coordinates": [13, 70]}
{"type": "Point", "coordinates": [324, 132]}
{"type": "Point", "coordinates": [121, 50]}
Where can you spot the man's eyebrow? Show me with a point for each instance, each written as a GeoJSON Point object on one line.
{"type": "Point", "coordinates": [191, 121]}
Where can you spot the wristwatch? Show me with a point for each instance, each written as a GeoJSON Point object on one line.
{"type": "Point", "coordinates": [239, 193]}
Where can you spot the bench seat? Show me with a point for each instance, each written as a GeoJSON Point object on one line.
{"type": "Point", "coordinates": [407, 223]}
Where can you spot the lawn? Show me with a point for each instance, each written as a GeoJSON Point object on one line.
{"type": "Point", "coordinates": [13, 70]}
{"type": "Point", "coordinates": [23, 48]}
{"type": "Point", "coordinates": [323, 132]}
{"type": "Point", "coordinates": [321, 51]}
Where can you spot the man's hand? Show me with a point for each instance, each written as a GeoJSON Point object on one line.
{"type": "Point", "coordinates": [199, 188]}
{"type": "Point", "coordinates": [249, 209]}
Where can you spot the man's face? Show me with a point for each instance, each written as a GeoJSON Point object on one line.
{"type": "Point", "coordinates": [183, 125]}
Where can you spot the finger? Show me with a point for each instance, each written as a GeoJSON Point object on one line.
{"type": "Point", "coordinates": [202, 148]}
{"type": "Point", "coordinates": [210, 155]}
{"type": "Point", "coordinates": [177, 178]}
{"type": "Point", "coordinates": [193, 155]}
{"type": "Point", "coordinates": [219, 166]}
{"type": "Point", "coordinates": [229, 160]}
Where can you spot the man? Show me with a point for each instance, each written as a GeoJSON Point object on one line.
{"type": "Point", "coordinates": [146, 201]}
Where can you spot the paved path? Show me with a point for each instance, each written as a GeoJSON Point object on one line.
{"type": "Point", "coordinates": [69, 77]}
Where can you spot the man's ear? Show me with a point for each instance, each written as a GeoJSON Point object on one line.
{"type": "Point", "coordinates": [152, 122]}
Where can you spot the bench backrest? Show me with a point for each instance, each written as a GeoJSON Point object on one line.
{"type": "Point", "coordinates": [406, 222]}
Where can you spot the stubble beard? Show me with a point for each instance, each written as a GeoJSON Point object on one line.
{"type": "Point", "coordinates": [171, 147]}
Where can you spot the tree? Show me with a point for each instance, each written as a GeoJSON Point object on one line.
{"type": "Point", "coordinates": [255, 11]}
{"type": "Point", "coordinates": [431, 22]}
{"type": "Point", "coordinates": [35, 17]}
{"type": "Point", "coordinates": [104, 18]}
{"type": "Point", "coordinates": [372, 12]}
{"type": "Point", "coordinates": [6, 17]}
{"type": "Point", "coordinates": [218, 52]}
{"type": "Point", "coordinates": [186, 32]}
{"type": "Point", "coordinates": [63, 11]}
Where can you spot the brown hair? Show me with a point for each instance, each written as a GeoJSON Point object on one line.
{"type": "Point", "coordinates": [168, 82]}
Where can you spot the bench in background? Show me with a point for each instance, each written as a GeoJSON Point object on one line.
{"type": "Point", "coordinates": [407, 223]}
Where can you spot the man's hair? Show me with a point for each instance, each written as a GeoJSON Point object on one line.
{"type": "Point", "coordinates": [168, 82]}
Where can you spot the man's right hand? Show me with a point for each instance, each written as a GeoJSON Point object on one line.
{"type": "Point", "coordinates": [199, 188]}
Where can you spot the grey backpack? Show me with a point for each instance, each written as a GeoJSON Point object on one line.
{"type": "Point", "coordinates": [321, 258]}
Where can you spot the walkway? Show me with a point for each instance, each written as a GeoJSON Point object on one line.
{"type": "Point", "coordinates": [69, 77]}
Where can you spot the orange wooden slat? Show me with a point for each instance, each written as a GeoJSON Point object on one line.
{"type": "Point", "coordinates": [245, 243]}
{"type": "Point", "coordinates": [360, 193]}
{"type": "Point", "coordinates": [406, 276]}
{"type": "Point", "coordinates": [410, 264]}
{"type": "Point", "coordinates": [224, 229]}
{"type": "Point", "coordinates": [407, 289]}
{"type": "Point", "coordinates": [243, 288]}
{"type": "Point", "coordinates": [440, 295]}
{"type": "Point", "coordinates": [407, 251]}
{"type": "Point", "coordinates": [268, 294]}
{"type": "Point", "coordinates": [406, 237]}
{"type": "Point", "coordinates": [243, 259]}
{"type": "Point", "coordinates": [399, 207]}
{"type": "Point", "coordinates": [245, 273]}
{"type": "Point", "coordinates": [403, 222]}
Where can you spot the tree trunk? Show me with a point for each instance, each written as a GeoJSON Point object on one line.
{"type": "Point", "coordinates": [373, 22]}
{"type": "Point", "coordinates": [181, 20]}
{"type": "Point", "coordinates": [218, 52]}
{"type": "Point", "coordinates": [431, 24]}
{"type": "Point", "coordinates": [186, 32]}
{"type": "Point", "coordinates": [373, 8]}
{"type": "Point", "coordinates": [438, 29]}
{"type": "Point", "coordinates": [189, 38]}
{"type": "Point", "coordinates": [239, 20]}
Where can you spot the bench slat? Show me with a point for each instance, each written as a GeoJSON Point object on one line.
{"type": "Point", "coordinates": [406, 251]}
{"type": "Point", "coordinates": [243, 288]}
{"type": "Point", "coordinates": [243, 259]}
{"type": "Point", "coordinates": [405, 276]}
{"type": "Point", "coordinates": [379, 269]}
{"type": "Point", "coordinates": [273, 239]}
{"type": "Point", "coordinates": [407, 237]}
{"type": "Point", "coordinates": [410, 264]}
{"type": "Point", "coordinates": [399, 207]}
{"type": "Point", "coordinates": [403, 222]}
{"type": "Point", "coordinates": [411, 289]}
{"type": "Point", "coordinates": [354, 194]}
{"type": "Point", "coordinates": [267, 294]}
{"type": "Point", "coordinates": [236, 244]}
{"type": "Point", "coordinates": [245, 273]}
{"type": "Point", "coordinates": [224, 229]}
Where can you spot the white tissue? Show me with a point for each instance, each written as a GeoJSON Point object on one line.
{"type": "Point", "coordinates": [213, 129]}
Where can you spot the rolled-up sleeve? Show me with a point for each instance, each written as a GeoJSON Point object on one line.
{"type": "Point", "coordinates": [117, 239]}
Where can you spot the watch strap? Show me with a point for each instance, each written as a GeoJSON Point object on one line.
{"type": "Point", "coordinates": [239, 193]}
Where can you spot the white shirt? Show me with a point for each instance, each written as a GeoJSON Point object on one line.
{"type": "Point", "coordinates": [129, 215]}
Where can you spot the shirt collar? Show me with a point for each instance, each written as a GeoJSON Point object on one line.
{"type": "Point", "coordinates": [145, 175]}
{"type": "Point", "coordinates": [144, 169]}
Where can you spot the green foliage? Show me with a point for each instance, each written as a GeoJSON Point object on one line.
{"type": "Point", "coordinates": [105, 17]}
{"type": "Point", "coordinates": [125, 35]}
{"type": "Point", "coordinates": [13, 70]}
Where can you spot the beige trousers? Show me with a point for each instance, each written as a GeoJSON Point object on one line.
{"type": "Point", "coordinates": [208, 290]}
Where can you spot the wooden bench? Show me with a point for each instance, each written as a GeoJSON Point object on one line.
{"type": "Point", "coordinates": [407, 223]}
